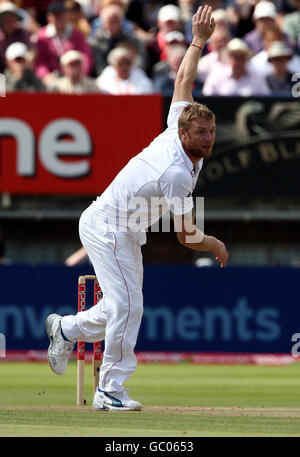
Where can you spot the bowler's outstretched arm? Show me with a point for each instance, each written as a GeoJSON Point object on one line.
{"type": "Point", "coordinates": [202, 29]}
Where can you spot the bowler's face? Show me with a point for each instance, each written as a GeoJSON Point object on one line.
{"type": "Point", "coordinates": [199, 139]}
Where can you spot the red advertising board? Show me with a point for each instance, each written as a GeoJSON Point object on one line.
{"type": "Point", "coordinates": [72, 144]}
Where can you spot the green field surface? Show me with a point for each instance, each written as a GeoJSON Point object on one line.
{"type": "Point", "coordinates": [179, 400]}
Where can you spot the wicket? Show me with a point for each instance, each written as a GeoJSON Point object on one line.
{"type": "Point", "coordinates": [97, 352]}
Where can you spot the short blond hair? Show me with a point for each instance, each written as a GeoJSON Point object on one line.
{"type": "Point", "coordinates": [193, 112]}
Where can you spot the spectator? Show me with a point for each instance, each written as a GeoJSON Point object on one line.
{"type": "Point", "coordinates": [143, 15]}
{"type": "Point", "coordinates": [260, 64]}
{"type": "Point", "coordinates": [280, 80]}
{"type": "Point", "coordinates": [110, 35]}
{"type": "Point", "coordinates": [174, 40]}
{"type": "Point", "coordinates": [28, 21]}
{"type": "Point", "coordinates": [291, 24]}
{"type": "Point", "coordinates": [11, 30]}
{"type": "Point", "coordinates": [235, 78]}
{"type": "Point", "coordinates": [218, 42]}
{"type": "Point", "coordinates": [73, 80]}
{"type": "Point", "coordinates": [168, 20]}
{"type": "Point", "coordinates": [76, 17]}
{"type": "Point", "coordinates": [127, 26]}
{"type": "Point", "coordinates": [264, 17]}
{"type": "Point", "coordinates": [221, 19]}
{"type": "Point", "coordinates": [164, 81]}
{"type": "Point", "coordinates": [55, 39]}
{"type": "Point", "coordinates": [18, 75]}
{"type": "Point", "coordinates": [222, 23]}
{"type": "Point", "coordinates": [121, 77]}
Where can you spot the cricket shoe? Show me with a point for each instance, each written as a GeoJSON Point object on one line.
{"type": "Point", "coordinates": [117, 402]}
{"type": "Point", "coordinates": [59, 349]}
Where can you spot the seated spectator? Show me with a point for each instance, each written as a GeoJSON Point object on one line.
{"type": "Point", "coordinates": [18, 75]}
{"type": "Point", "coordinates": [127, 26]}
{"type": "Point", "coordinates": [110, 35]}
{"type": "Point", "coordinates": [28, 21]}
{"type": "Point", "coordinates": [168, 20]}
{"type": "Point", "coordinates": [54, 40]}
{"type": "Point", "coordinates": [73, 80]}
{"type": "Point", "coordinates": [143, 15]}
{"type": "Point", "coordinates": [76, 17]}
{"type": "Point", "coordinates": [221, 24]}
{"type": "Point", "coordinates": [164, 80]}
{"type": "Point", "coordinates": [235, 78]}
{"type": "Point", "coordinates": [173, 39]}
{"type": "Point", "coordinates": [218, 42]}
{"type": "Point", "coordinates": [280, 80]}
{"type": "Point", "coordinates": [11, 30]}
{"type": "Point", "coordinates": [260, 64]}
{"type": "Point", "coordinates": [264, 17]}
{"type": "Point", "coordinates": [121, 77]}
{"type": "Point", "coordinates": [221, 19]}
{"type": "Point", "coordinates": [291, 24]}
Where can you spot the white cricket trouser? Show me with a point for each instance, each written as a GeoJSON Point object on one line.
{"type": "Point", "coordinates": [117, 261]}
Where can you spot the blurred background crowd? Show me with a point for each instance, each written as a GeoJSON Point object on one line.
{"type": "Point", "coordinates": [136, 46]}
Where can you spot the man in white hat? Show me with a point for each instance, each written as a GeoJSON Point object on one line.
{"type": "Point", "coordinates": [18, 75]}
{"type": "Point", "coordinates": [173, 39]}
{"type": "Point", "coordinates": [234, 78]}
{"type": "Point", "coordinates": [168, 20]}
{"type": "Point", "coordinates": [110, 35]}
{"type": "Point", "coordinates": [11, 30]}
{"type": "Point", "coordinates": [264, 17]}
{"type": "Point", "coordinates": [73, 80]}
{"type": "Point", "coordinates": [280, 80]}
{"type": "Point", "coordinates": [259, 63]}
{"type": "Point", "coordinates": [122, 77]}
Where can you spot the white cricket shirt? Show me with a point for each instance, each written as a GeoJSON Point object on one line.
{"type": "Point", "coordinates": [160, 178]}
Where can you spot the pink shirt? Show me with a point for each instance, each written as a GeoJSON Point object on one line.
{"type": "Point", "coordinates": [51, 46]}
{"type": "Point", "coordinates": [207, 63]}
{"type": "Point", "coordinates": [221, 82]}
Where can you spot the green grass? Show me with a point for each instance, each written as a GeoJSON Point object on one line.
{"type": "Point", "coordinates": [179, 400]}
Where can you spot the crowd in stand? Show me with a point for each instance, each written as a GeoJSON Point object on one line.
{"type": "Point", "coordinates": [136, 46]}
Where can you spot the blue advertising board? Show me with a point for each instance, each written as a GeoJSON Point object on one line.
{"type": "Point", "coordinates": [185, 308]}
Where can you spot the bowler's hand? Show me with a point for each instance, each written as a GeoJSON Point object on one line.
{"type": "Point", "coordinates": [219, 250]}
{"type": "Point", "coordinates": [203, 24]}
